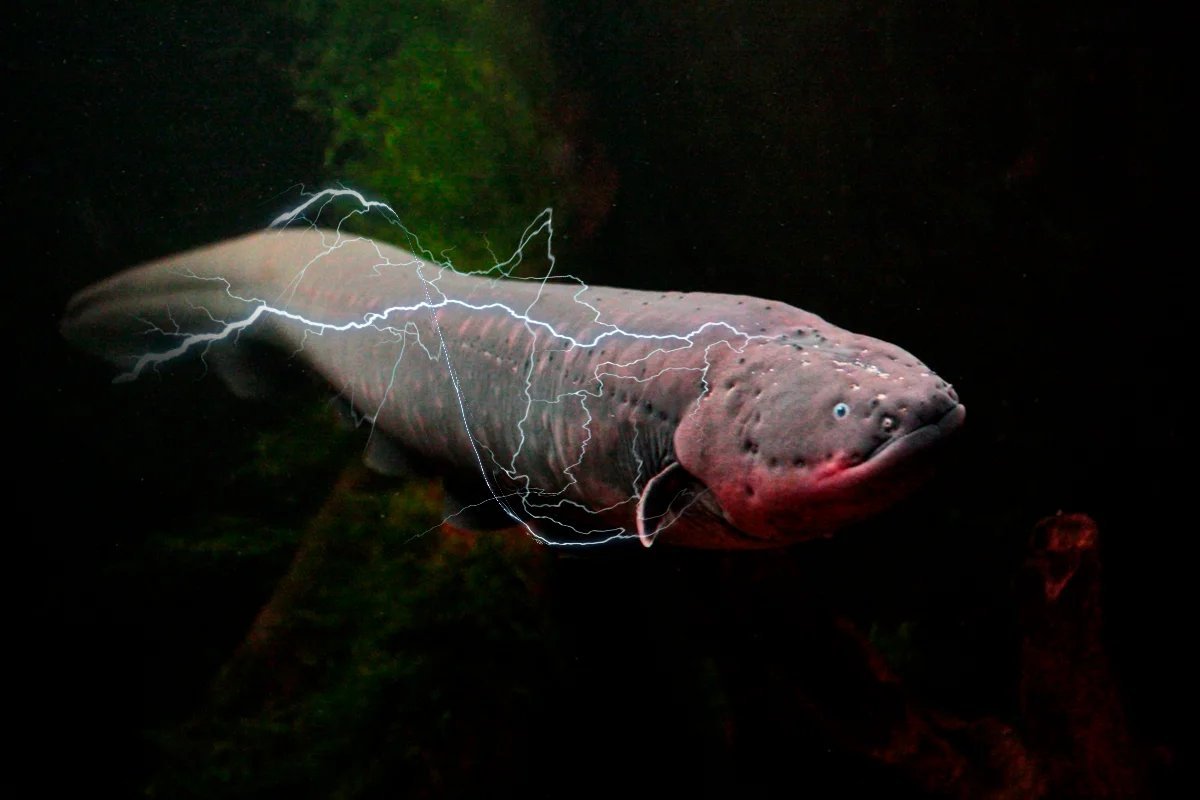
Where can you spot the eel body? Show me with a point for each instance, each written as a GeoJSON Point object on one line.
{"type": "Point", "coordinates": [582, 413]}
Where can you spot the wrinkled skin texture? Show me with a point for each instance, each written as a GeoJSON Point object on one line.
{"type": "Point", "coordinates": [711, 420]}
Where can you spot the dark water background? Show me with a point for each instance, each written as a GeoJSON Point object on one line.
{"type": "Point", "coordinates": [999, 190]}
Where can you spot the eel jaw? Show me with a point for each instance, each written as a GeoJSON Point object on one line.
{"type": "Point", "coordinates": [822, 504]}
{"type": "Point", "coordinates": [889, 458]}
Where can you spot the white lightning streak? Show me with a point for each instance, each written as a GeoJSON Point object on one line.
{"type": "Point", "coordinates": [535, 503]}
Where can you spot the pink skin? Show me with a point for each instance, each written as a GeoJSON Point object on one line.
{"type": "Point", "coordinates": [837, 431]}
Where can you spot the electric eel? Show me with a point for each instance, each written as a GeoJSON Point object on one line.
{"type": "Point", "coordinates": [584, 414]}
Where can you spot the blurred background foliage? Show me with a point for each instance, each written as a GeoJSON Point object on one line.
{"type": "Point", "coordinates": [361, 676]}
{"type": "Point", "coordinates": [333, 641]}
{"type": "Point", "coordinates": [442, 109]}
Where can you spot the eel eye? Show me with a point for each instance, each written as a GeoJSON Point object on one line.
{"type": "Point", "coordinates": [841, 410]}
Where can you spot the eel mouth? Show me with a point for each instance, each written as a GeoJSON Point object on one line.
{"type": "Point", "coordinates": [821, 506]}
{"type": "Point", "coordinates": [910, 449]}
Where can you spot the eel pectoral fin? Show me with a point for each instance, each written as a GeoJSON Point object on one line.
{"type": "Point", "coordinates": [388, 457]}
{"type": "Point", "coordinates": [663, 501]}
{"type": "Point", "coordinates": [253, 370]}
{"type": "Point", "coordinates": [469, 503]}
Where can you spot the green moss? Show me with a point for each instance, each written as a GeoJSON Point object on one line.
{"type": "Point", "coordinates": [440, 109]}
{"type": "Point", "coordinates": [361, 674]}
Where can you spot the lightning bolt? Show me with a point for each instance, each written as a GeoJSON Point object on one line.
{"type": "Point", "coordinates": [529, 504]}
